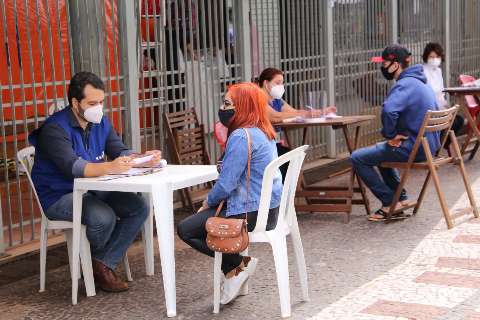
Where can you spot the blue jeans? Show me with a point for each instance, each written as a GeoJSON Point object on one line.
{"type": "Point", "coordinates": [113, 220]}
{"type": "Point", "coordinates": [365, 160]}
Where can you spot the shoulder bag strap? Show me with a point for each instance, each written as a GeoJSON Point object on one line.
{"type": "Point", "coordinates": [249, 142]}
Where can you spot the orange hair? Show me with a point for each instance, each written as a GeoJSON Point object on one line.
{"type": "Point", "coordinates": [250, 108]}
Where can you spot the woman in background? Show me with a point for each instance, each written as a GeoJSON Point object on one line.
{"type": "Point", "coordinates": [433, 57]}
{"type": "Point", "coordinates": [271, 81]}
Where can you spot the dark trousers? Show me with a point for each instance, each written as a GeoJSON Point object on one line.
{"type": "Point", "coordinates": [113, 220]}
{"type": "Point", "coordinates": [457, 126]}
{"type": "Point", "coordinates": [284, 167]}
{"type": "Point", "coordinates": [192, 231]}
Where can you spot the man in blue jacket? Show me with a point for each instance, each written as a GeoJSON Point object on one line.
{"type": "Point", "coordinates": [403, 112]}
{"type": "Point", "coordinates": [72, 143]}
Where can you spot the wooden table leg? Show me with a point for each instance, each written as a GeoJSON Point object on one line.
{"type": "Point", "coordinates": [302, 183]}
{"type": "Point", "coordinates": [472, 123]}
{"type": "Point", "coordinates": [287, 138]}
{"type": "Point", "coordinates": [304, 138]}
{"type": "Point", "coordinates": [352, 147]}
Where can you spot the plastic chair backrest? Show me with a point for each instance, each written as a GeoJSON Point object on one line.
{"type": "Point", "coordinates": [287, 209]}
{"type": "Point", "coordinates": [25, 158]}
{"type": "Point", "coordinates": [221, 134]}
{"type": "Point", "coordinates": [472, 101]}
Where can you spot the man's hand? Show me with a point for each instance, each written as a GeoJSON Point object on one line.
{"type": "Point", "coordinates": [157, 156]}
{"type": "Point", "coordinates": [119, 165]}
{"type": "Point", "coordinates": [397, 141]}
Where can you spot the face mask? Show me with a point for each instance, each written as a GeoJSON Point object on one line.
{"type": "Point", "coordinates": [435, 62]}
{"type": "Point", "coordinates": [277, 91]}
{"type": "Point", "coordinates": [226, 116]}
{"type": "Point", "coordinates": [388, 75]}
{"type": "Point", "coordinates": [94, 114]}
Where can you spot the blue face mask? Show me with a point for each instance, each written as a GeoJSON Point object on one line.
{"type": "Point", "coordinates": [226, 116]}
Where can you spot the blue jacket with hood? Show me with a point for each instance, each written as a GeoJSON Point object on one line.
{"type": "Point", "coordinates": [405, 107]}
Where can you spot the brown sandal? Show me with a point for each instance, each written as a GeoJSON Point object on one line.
{"type": "Point", "coordinates": [381, 215]}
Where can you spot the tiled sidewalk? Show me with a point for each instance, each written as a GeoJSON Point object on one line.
{"type": "Point", "coordinates": [413, 269]}
{"type": "Point", "coordinates": [439, 280]}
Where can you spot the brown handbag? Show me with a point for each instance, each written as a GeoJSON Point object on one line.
{"type": "Point", "coordinates": [229, 235]}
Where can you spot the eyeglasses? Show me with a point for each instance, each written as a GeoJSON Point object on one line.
{"type": "Point", "coordinates": [227, 104]}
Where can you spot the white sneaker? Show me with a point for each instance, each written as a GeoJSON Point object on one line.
{"type": "Point", "coordinates": [231, 287]}
{"type": "Point", "coordinates": [250, 269]}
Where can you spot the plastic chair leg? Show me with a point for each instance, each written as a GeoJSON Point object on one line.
{"type": "Point", "coordinates": [279, 248]}
{"type": "Point", "coordinates": [126, 266]}
{"type": "Point", "coordinates": [244, 289]}
{"type": "Point", "coordinates": [217, 272]}
{"type": "Point", "coordinates": [86, 260]}
{"type": "Point", "coordinates": [300, 258]}
{"type": "Point", "coordinates": [43, 255]}
{"type": "Point", "coordinates": [68, 239]}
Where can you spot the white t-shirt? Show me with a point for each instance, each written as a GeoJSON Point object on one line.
{"type": "Point", "coordinates": [435, 80]}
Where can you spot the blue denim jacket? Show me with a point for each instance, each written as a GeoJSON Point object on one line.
{"type": "Point", "coordinates": [231, 184]}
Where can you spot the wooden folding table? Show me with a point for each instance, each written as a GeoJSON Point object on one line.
{"type": "Point", "coordinates": [333, 199]}
{"type": "Point", "coordinates": [473, 122]}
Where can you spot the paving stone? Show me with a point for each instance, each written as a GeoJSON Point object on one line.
{"type": "Point", "coordinates": [350, 267]}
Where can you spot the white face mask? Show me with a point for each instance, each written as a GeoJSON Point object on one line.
{"type": "Point", "coordinates": [435, 62]}
{"type": "Point", "coordinates": [94, 114]}
{"type": "Point", "coordinates": [277, 91]}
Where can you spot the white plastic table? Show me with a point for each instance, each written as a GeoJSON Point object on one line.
{"type": "Point", "coordinates": [160, 186]}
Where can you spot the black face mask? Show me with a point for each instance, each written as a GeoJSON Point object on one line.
{"type": "Point", "coordinates": [388, 75]}
{"type": "Point", "coordinates": [226, 116]}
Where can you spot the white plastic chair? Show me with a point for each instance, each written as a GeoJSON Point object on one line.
{"type": "Point", "coordinates": [286, 224]}
{"type": "Point", "coordinates": [25, 159]}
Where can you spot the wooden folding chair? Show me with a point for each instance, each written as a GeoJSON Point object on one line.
{"type": "Point", "coordinates": [186, 143]}
{"type": "Point", "coordinates": [434, 121]}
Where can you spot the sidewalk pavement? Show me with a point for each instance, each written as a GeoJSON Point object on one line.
{"type": "Point", "coordinates": [412, 269]}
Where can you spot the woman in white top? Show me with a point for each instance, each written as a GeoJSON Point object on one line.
{"type": "Point", "coordinates": [432, 58]}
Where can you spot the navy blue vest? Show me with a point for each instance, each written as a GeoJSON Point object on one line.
{"type": "Point", "coordinates": [49, 181]}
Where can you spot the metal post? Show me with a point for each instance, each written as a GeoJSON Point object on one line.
{"type": "Point", "coordinates": [2, 245]}
{"type": "Point", "coordinates": [447, 44]}
{"type": "Point", "coordinates": [331, 141]}
{"type": "Point", "coordinates": [394, 21]}
{"type": "Point", "coordinates": [243, 7]}
{"type": "Point", "coordinates": [87, 37]}
{"type": "Point", "coordinates": [128, 29]}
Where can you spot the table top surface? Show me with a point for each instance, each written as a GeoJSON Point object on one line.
{"type": "Point", "coordinates": [178, 176]}
{"type": "Point", "coordinates": [462, 90]}
{"type": "Point", "coordinates": [341, 121]}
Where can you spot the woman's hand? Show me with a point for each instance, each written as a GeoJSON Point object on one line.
{"type": "Point", "coordinates": [330, 109]}
{"type": "Point", "coordinates": [317, 113]}
{"type": "Point", "coordinates": [204, 206]}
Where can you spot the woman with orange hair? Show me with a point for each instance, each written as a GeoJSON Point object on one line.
{"type": "Point", "coordinates": [249, 132]}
